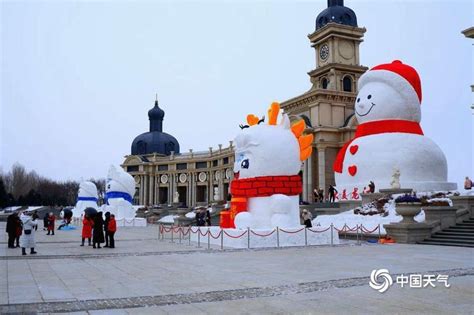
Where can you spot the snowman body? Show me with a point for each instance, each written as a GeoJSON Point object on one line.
{"type": "Point", "coordinates": [421, 163]}
{"type": "Point", "coordinates": [389, 136]}
{"type": "Point", "coordinates": [119, 194]}
{"type": "Point", "coordinates": [87, 198]}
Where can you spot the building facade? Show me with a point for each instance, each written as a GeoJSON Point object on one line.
{"type": "Point", "coordinates": [161, 171]}
{"type": "Point", "coordinates": [328, 106]}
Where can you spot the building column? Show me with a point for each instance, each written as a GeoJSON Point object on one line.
{"type": "Point", "coordinates": [193, 189]}
{"type": "Point", "coordinates": [142, 189]}
{"type": "Point", "coordinates": [322, 168]}
{"type": "Point", "coordinates": [309, 179]}
{"type": "Point", "coordinates": [145, 190]}
{"type": "Point", "coordinates": [151, 179]}
{"type": "Point", "coordinates": [188, 192]}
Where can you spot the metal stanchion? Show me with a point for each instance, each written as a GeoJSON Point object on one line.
{"type": "Point", "coordinates": [379, 233]}
{"type": "Point", "coordinates": [199, 237]}
{"type": "Point", "coordinates": [332, 236]}
{"type": "Point", "coordinates": [305, 236]}
{"type": "Point", "coordinates": [278, 236]}
{"type": "Point", "coordinates": [208, 238]}
{"type": "Point", "coordinates": [222, 239]}
{"type": "Point", "coordinates": [248, 238]}
{"type": "Point", "coordinates": [172, 234]}
{"type": "Point", "coordinates": [357, 234]}
{"type": "Point", "coordinates": [189, 238]}
{"type": "Point", "coordinates": [180, 233]}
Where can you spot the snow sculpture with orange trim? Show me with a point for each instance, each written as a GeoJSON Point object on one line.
{"type": "Point", "coordinates": [266, 186]}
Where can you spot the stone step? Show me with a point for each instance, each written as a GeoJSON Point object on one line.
{"type": "Point", "coordinates": [457, 241]}
{"type": "Point", "coordinates": [427, 242]}
{"type": "Point", "coordinates": [454, 233]}
{"type": "Point", "coordinates": [457, 228]}
{"type": "Point", "coordinates": [453, 237]}
{"type": "Point", "coordinates": [468, 225]}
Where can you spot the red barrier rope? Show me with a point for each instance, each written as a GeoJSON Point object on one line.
{"type": "Point", "coordinates": [194, 232]}
{"type": "Point", "coordinates": [315, 231]}
{"type": "Point", "coordinates": [367, 231]}
{"type": "Point", "coordinates": [167, 230]}
{"type": "Point", "coordinates": [294, 232]}
{"type": "Point", "coordinates": [204, 233]}
{"type": "Point", "coordinates": [218, 235]}
{"type": "Point", "coordinates": [263, 235]}
{"type": "Point", "coordinates": [231, 236]}
{"type": "Point", "coordinates": [186, 233]}
{"type": "Point", "coordinates": [341, 230]}
{"type": "Point", "coordinates": [351, 230]}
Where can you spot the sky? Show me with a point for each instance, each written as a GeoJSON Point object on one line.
{"type": "Point", "coordinates": [78, 78]}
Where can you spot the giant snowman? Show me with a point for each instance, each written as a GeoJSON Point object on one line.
{"type": "Point", "coordinates": [266, 186]}
{"type": "Point", "coordinates": [87, 198]}
{"type": "Point", "coordinates": [389, 137]}
{"type": "Point", "coordinates": [120, 188]}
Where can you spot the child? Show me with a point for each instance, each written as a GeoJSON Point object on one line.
{"type": "Point", "coordinates": [111, 229]}
{"type": "Point", "coordinates": [51, 220]}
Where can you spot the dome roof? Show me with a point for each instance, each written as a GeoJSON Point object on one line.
{"type": "Point", "coordinates": [336, 12]}
{"type": "Point", "coordinates": [155, 141]}
{"type": "Point", "coordinates": [156, 112]}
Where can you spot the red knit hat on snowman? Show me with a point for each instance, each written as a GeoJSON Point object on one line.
{"type": "Point", "coordinates": [400, 76]}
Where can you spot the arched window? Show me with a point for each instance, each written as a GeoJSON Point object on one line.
{"type": "Point", "coordinates": [324, 83]}
{"type": "Point", "coordinates": [347, 84]}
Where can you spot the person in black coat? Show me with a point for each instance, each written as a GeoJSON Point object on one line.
{"type": "Point", "coordinates": [98, 233]}
{"type": "Point", "coordinates": [371, 187]}
{"type": "Point", "coordinates": [201, 217]}
{"type": "Point", "coordinates": [106, 228]}
{"type": "Point", "coordinates": [332, 193]}
{"type": "Point", "coordinates": [12, 227]}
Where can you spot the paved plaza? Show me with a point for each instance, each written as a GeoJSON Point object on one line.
{"type": "Point", "coordinates": [146, 276]}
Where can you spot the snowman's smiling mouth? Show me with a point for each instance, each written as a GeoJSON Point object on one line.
{"type": "Point", "coordinates": [366, 112]}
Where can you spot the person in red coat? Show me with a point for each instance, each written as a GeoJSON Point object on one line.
{"type": "Point", "coordinates": [111, 229]}
{"type": "Point", "coordinates": [87, 225]}
{"type": "Point", "coordinates": [51, 220]}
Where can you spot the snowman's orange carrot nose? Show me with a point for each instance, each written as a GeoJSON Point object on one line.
{"type": "Point", "coordinates": [273, 113]}
{"type": "Point", "coordinates": [252, 120]}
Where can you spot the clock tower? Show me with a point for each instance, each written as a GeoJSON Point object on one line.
{"type": "Point", "coordinates": [328, 106]}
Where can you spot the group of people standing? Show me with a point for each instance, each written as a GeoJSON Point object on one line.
{"type": "Point", "coordinates": [98, 230]}
{"type": "Point", "coordinates": [319, 194]}
{"type": "Point", "coordinates": [21, 230]}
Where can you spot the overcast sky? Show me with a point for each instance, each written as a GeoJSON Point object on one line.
{"type": "Point", "coordinates": [78, 78]}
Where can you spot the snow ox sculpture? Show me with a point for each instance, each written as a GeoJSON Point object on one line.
{"type": "Point", "coordinates": [86, 198]}
{"type": "Point", "coordinates": [266, 186]}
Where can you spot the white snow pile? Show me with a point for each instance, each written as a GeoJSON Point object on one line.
{"type": "Point", "coordinates": [369, 222]}
{"type": "Point", "coordinates": [168, 219]}
{"type": "Point", "coordinates": [190, 215]}
{"type": "Point", "coordinates": [434, 200]}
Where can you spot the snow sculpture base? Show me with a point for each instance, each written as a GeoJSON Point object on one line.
{"type": "Point", "coordinates": [260, 238]}
{"type": "Point", "coordinates": [134, 222]}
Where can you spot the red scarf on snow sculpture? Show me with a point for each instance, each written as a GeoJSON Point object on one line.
{"type": "Point", "coordinates": [377, 127]}
{"type": "Point", "coordinates": [265, 186]}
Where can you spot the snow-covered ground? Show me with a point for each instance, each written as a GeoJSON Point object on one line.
{"type": "Point", "coordinates": [369, 222]}
{"type": "Point", "coordinates": [168, 219]}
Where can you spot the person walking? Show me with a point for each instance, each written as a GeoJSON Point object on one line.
{"type": "Point", "coordinates": [316, 194]}
{"type": "Point", "coordinates": [332, 193]}
{"type": "Point", "coordinates": [98, 232]}
{"type": "Point", "coordinates": [201, 217]}
{"type": "Point", "coordinates": [307, 216]}
{"type": "Point", "coordinates": [468, 183]}
{"type": "Point", "coordinates": [45, 222]}
{"type": "Point", "coordinates": [27, 239]}
{"type": "Point", "coordinates": [106, 228]}
{"type": "Point", "coordinates": [87, 225]}
{"type": "Point", "coordinates": [51, 220]}
{"type": "Point", "coordinates": [111, 228]}
{"type": "Point", "coordinates": [12, 226]}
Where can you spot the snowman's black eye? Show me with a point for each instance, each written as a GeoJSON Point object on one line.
{"type": "Point", "coordinates": [245, 163]}
{"type": "Point", "coordinates": [369, 97]}
{"type": "Point", "coordinates": [358, 100]}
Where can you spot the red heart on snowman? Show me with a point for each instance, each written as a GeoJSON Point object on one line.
{"type": "Point", "coordinates": [353, 149]}
{"type": "Point", "coordinates": [352, 170]}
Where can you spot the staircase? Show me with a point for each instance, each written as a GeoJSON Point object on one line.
{"type": "Point", "coordinates": [461, 234]}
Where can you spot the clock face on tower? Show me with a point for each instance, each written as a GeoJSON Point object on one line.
{"type": "Point", "coordinates": [324, 52]}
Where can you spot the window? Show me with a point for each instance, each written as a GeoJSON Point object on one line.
{"type": "Point", "coordinates": [162, 167]}
{"type": "Point", "coordinates": [201, 164]}
{"type": "Point", "coordinates": [226, 160]}
{"type": "Point", "coordinates": [132, 168]}
{"type": "Point", "coordinates": [347, 84]}
{"type": "Point", "coordinates": [181, 166]}
{"type": "Point", "coordinates": [215, 163]}
{"type": "Point", "coordinates": [324, 83]}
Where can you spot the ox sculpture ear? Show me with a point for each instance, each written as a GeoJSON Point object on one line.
{"type": "Point", "coordinates": [285, 122]}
